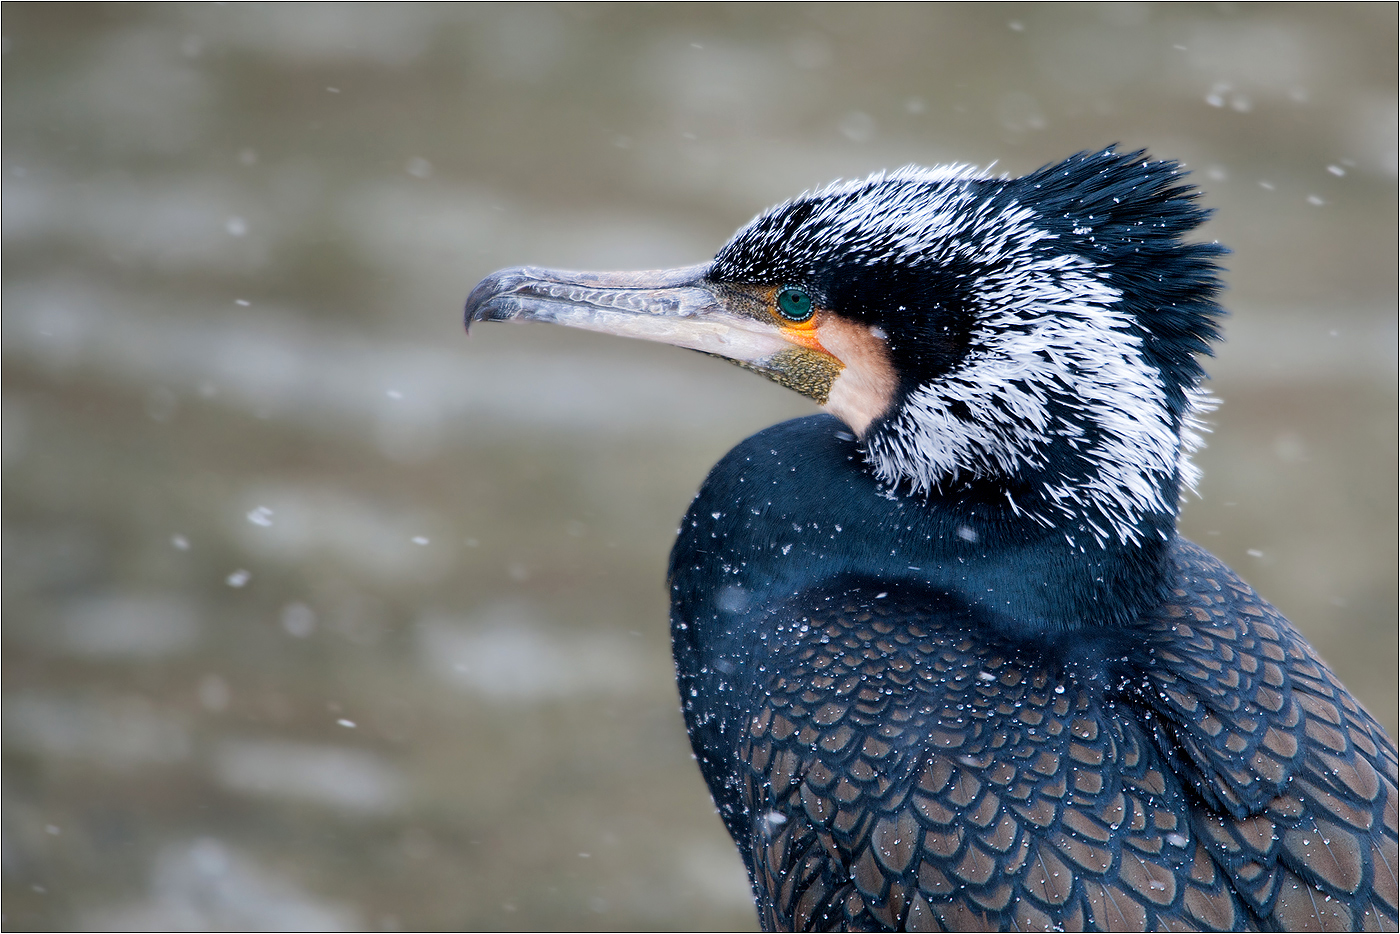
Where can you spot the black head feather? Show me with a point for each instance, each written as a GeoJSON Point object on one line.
{"type": "Point", "coordinates": [1043, 328]}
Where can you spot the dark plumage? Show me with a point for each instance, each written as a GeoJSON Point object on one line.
{"type": "Point", "coordinates": [945, 662]}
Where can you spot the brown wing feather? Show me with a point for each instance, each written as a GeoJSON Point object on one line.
{"type": "Point", "coordinates": [905, 771]}
{"type": "Point", "coordinates": [1304, 779]}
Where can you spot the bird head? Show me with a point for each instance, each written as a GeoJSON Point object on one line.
{"type": "Point", "coordinates": [1033, 335]}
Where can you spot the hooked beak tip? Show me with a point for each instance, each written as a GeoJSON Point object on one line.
{"type": "Point", "coordinates": [482, 303]}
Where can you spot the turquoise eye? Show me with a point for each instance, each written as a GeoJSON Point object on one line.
{"type": "Point", "coordinates": [795, 305]}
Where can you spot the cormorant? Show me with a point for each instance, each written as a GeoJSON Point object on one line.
{"type": "Point", "coordinates": [945, 662]}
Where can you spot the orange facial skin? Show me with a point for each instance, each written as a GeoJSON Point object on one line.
{"type": "Point", "coordinates": [864, 387]}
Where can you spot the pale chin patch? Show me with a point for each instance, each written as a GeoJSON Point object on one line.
{"type": "Point", "coordinates": [866, 387]}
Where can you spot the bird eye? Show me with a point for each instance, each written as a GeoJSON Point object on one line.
{"type": "Point", "coordinates": [795, 305]}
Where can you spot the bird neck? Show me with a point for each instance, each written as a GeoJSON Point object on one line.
{"type": "Point", "coordinates": [795, 516]}
{"type": "Point", "coordinates": [1093, 465]}
{"type": "Point", "coordinates": [797, 506]}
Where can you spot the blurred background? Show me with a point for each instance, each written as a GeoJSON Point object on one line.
{"type": "Point", "coordinates": [320, 615]}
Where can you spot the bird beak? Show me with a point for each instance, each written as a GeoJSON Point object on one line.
{"type": "Point", "coordinates": [672, 306]}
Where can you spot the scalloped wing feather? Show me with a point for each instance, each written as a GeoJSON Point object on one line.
{"type": "Point", "coordinates": [902, 773]}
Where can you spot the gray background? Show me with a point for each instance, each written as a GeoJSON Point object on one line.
{"type": "Point", "coordinates": [319, 614]}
